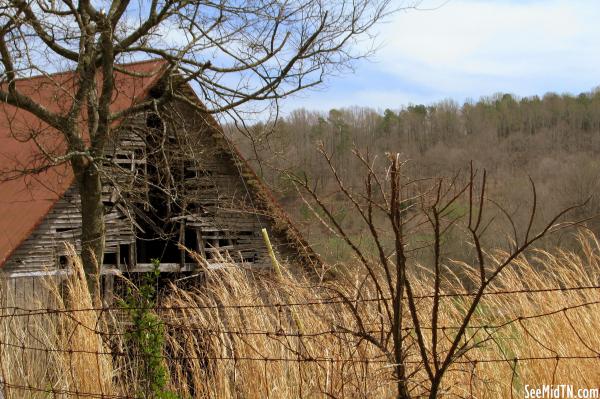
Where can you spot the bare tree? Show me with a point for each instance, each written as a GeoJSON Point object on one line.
{"type": "Point", "coordinates": [399, 218]}
{"type": "Point", "coordinates": [232, 53]}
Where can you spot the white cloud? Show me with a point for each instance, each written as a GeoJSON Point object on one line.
{"type": "Point", "coordinates": [472, 48]}
{"type": "Point", "coordinates": [465, 43]}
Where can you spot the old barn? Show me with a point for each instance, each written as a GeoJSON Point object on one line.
{"type": "Point", "coordinates": [172, 179]}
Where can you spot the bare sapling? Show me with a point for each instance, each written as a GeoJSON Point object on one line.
{"type": "Point", "coordinates": [404, 228]}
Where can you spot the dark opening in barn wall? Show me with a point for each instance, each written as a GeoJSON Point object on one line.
{"type": "Point", "coordinates": [125, 257]}
{"type": "Point", "coordinates": [63, 262]}
{"type": "Point", "coordinates": [165, 250]}
{"type": "Point", "coordinates": [153, 121]}
{"type": "Point", "coordinates": [190, 241]}
{"type": "Point", "coordinates": [110, 258]}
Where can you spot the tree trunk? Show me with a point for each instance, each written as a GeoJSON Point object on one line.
{"type": "Point", "coordinates": [400, 371]}
{"type": "Point", "coordinates": [92, 223]}
{"type": "Point", "coordinates": [435, 387]}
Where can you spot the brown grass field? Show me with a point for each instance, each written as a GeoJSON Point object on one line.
{"type": "Point", "coordinates": [232, 339]}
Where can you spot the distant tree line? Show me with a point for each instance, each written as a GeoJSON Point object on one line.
{"type": "Point", "coordinates": [554, 139]}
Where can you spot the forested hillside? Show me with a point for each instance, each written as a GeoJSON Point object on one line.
{"type": "Point", "coordinates": [554, 139]}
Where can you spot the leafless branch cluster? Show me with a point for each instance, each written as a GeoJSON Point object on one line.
{"type": "Point", "coordinates": [401, 216]}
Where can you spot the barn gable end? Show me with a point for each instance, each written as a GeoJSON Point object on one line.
{"type": "Point", "coordinates": [225, 208]}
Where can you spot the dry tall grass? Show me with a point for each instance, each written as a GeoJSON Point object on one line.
{"type": "Point", "coordinates": [222, 342]}
{"type": "Point", "coordinates": [56, 351]}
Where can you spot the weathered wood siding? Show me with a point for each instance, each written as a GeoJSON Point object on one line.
{"type": "Point", "coordinates": [45, 247]}
{"type": "Point", "coordinates": [29, 291]}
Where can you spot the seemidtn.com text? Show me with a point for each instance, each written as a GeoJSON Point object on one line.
{"type": "Point", "coordinates": [560, 391]}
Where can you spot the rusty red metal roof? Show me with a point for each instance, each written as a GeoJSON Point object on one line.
{"type": "Point", "coordinates": [26, 200]}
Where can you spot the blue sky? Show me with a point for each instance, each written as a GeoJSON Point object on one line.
{"type": "Point", "coordinates": [468, 49]}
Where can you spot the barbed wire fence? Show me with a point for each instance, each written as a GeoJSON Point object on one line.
{"type": "Point", "coordinates": [31, 344]}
